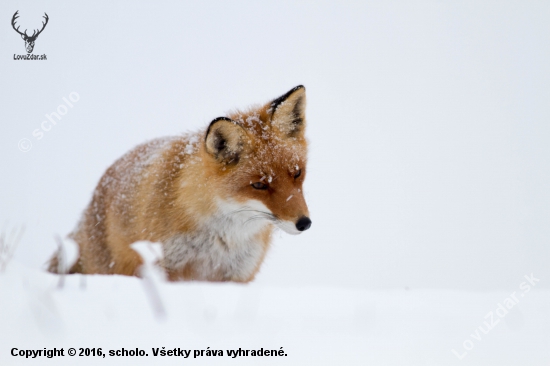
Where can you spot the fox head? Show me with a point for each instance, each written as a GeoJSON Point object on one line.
{"type": "Point", "coordinates": [258, 159]}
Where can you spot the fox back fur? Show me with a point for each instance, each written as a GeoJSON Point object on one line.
{"type": "Point", "coordinates": [212, 198]}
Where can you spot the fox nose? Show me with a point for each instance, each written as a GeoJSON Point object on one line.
{"type": "Point", "coordinates": [303, 223]}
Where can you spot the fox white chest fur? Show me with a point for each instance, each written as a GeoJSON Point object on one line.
{"type": "Point", "coordinates": [228, 243]}
{"type": "Point", "coordinates": [212, 198]}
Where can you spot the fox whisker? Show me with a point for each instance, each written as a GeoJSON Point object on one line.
{"type": "Point", "coordinates": [267, 215]}
{"type": "Point", "coordinates": [263, 215]}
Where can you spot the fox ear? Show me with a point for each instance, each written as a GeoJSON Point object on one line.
{"type": "Point", "coordinates": [288, 112]}
{"type": "Point", "coordinates": [225, 140]}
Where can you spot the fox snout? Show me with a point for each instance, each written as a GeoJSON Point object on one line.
{"type": "Point", "coordinates": [303, 223]}
{"type": "Point", "coordinates": [294, 227]}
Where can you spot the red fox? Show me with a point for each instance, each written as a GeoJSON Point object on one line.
{"type": "Point", "coordinates": [211, 198]}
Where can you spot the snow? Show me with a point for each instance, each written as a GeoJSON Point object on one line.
{"type": "Point", "coordinates": [314, 325]}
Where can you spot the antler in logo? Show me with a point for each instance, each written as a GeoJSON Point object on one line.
{"type": "Point", "coordinates": [29, 40]}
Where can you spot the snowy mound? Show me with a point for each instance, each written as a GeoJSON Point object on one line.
{"type": "Point", "coordinates": [216, 323]}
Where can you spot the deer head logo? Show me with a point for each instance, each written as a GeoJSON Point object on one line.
{"type": "Point", "coordinates": [29, 40]}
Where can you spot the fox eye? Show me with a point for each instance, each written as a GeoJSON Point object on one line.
{"type": "Point", "coordinates": [259, 185]}
{"type": "Point", "coordinates": [297, 174]}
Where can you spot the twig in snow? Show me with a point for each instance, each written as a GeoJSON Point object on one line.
{"type": "Point", "coordinates": [8, 243]}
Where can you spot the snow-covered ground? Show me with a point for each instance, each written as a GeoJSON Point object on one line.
{"type": "Point", "coordinates": [314, 325]}
{"type": "Point", "coordinates": [427, 180]}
